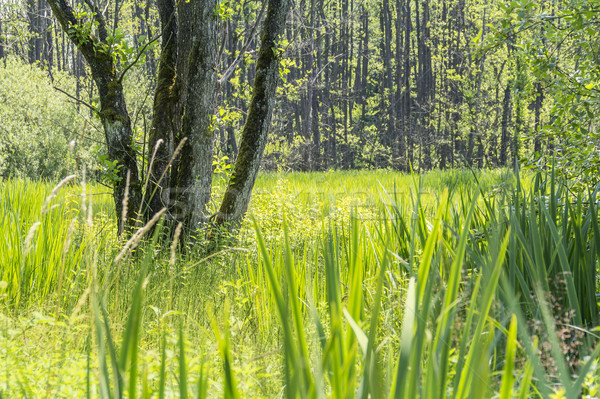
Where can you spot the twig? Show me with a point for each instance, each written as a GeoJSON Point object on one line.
{"type": "Point", "coordinates": [232, 67]}
{"type": "Point", "coordinates": [98, 16]}
{"type": "Point", "coordinates": [76, 99]}
{"type": "Point", "coordinates": [139, 54]}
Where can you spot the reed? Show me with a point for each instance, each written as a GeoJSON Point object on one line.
{"type": "Point", "coordinates": [450, 284]}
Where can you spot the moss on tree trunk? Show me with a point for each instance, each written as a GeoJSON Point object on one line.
{"type": "Point", "coordinates": [256, 129]}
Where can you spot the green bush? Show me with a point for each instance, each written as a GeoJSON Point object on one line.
{"type": "Point", "coordinates": [38, 124]}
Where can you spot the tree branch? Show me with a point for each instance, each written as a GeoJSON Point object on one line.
{"type": "Point", "coordinates": [98, 16]}
{"type": "Point", "coordinates": [137, 57]}
{"type": "Point", "coordinates": [237, 60]}
{"type": "Point", "coordinates": [76, 99]}
{"type": "Point", "coordinates": [66, 18]}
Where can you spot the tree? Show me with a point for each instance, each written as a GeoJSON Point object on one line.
{"type": "Point", "coordinates": [96, 48]}
{"type": "Point", "coordinates": [254, 137]}
{"type": "Point", "coordinates": [184, 104]}
{"type": "Point", "coordinates": [181, 136]}
{"type": "Point", "coordinates": [560, 45]}
{"type": "Point", "coordinates": [1, 42]}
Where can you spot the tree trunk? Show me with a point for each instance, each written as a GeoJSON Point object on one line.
{"type": "Point", "coordinates": [406, 99]}
{"type": "Point", "coordinates": [399, 145]}
{"type": "Point", "coordinates": [539, 99]}
{"type": "Point", "coordinates": [48, 39]}
{"type": "Point", "coordinates": [1, 41]}
{"type": "Point", "coordinates": [150, 61]}
{"type": "Point", "coordinates": [387, 81]}
{"type": "Point", "coordinates": [504, 137]}
{"type": "Point", "coordinates": [165, 104]}
{"type": "Point", "coordinates": [312, 99]}
{"type": "Point", "coordinates": [425, 84]}
{"type": "Point", "coordinates": [113, 112]}
{"type": "Point", "coordinates": [198, 77]}
{"type": "Point", "coordinates": [232, 149]}
{"type": "Point", "coordinates": [519, 88]}
{"type": "Point", "coordinates": [254, 136]}
{"type": "Point", "coordinates": [32, 20]}
{"type": "Point", "coordinates": [365, 62]}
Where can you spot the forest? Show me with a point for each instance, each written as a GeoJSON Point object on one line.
{"type": "Point", "coordinates": [299, 199]}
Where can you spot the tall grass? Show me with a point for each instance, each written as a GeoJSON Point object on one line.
{"type": "Point", "coordinates": [41, 228]}
{"type": "Point", "coordinates": [447, 285]}
{"type": "Point", "coordinates": [478, 273]}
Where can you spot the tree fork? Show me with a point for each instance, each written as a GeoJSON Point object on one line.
{"type": "Point", "coordinates": [196, 84]}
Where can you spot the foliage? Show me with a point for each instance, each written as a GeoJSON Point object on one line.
{"type": "Point", "coordinates": [41, 136]}
{"type": "Point", "coordinates": [46, 233]}
{"type": "Point", "coordinates": [559, 42]}
{"type": "Point", "coordinates": [341, 56]}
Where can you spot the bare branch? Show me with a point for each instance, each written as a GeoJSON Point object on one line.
{"type": "Point", "coordinates": [76, 99]}
{"type": "Point", "coordinates": [237, 60]}
{"type": "Point", "coordinates": [139, 54]}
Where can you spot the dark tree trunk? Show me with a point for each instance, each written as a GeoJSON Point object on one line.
{"type": "Point", "coordinates": [1, 42]}
{"type": "Point", "coordinates": [312, 104]}
{"type": "Point", "coordinates": [113, 113]}
{"type": "Point", "coordinates": [48, 39]}
{"type": "Point", "coordinates": [316, 134]}
{"type": "Point", "coordinates": [232, 148]}
{"type": "Point", "coordinates": [537, 105]}
{"type": "Point", "coordinates": [519, 88]}
{"type": "Point", "coordinates": [399, 145]}
{"type": "Point", "coordinates": [388, 97]}
{"type": "Point", "coordinates": [344, 73]}
{"type": "Point", "coordinates": [504, 135]}
{"type": "Point", "coordinates": [476, 130]}
{"type": "Point", "coordinates": [150, 61]}
{"type": "Point", "coordinates": [197, 82]}
{"type": "Point", "coordinates": [33, 19]}
{"type": "Point", "coordinates": [425, 83]}
{"type": "Point", "coordinates": [58, 50]}
{"type": "Point", "coordinates": [165, 105]}
{"type": "Point", "coordinates": [407, 103]}
{"type": "Point", "coordinates": [254, 136]}
{"type": "Point", "coordinates": [365, 62]}
{"type": "Point", "coordinates": [116, 15]}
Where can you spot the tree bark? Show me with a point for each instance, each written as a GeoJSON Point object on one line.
{"type": "Point", "coordinates": [1, 42]}
{"type": "Point", "coordinates": [48, 39]}
{"type": "Point", "coordinates": [425, 83]}
{"type": "Point", "coordinates": [539, 99]}
{"type": "Point", "coordinates": [406, 100]}
{"type": "Point", "coordinates": [113, 112]}
{"type": "Point", "coordinates": [388, 95]}
{"type": "Point", "coordinates": [197, 46]}
{"type": "Point", "coordinates": [504, 137]}
{"type": "Point", "coordinates": [32, 21]}
{"type": "Point", "coordinates": [254, 136]}
{"type": "Point", "coordinates": [315, 65]}
{"type": "Point", "coordinates": [163, 126]}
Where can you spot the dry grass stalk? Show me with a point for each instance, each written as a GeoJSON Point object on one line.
{"type": "Point", "coordinates": [29, 238]}
{"type": "Point", "coordinates": [174, 243]}
{"type": "Point", "coordinates": [137, 237]}
{"type": "Point", "coordinates": [125, 202]}
{"type": "Point", "coordinates": [55, 191]}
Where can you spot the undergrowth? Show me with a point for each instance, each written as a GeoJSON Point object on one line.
{"type": "Point", "coordinates": [338, 285]}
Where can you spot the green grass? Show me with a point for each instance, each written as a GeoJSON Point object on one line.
{"type": "Point", "coordinates": [339, 284]}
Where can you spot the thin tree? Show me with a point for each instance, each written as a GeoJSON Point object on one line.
{"type": "Point", "coordinates": [254, 136]}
